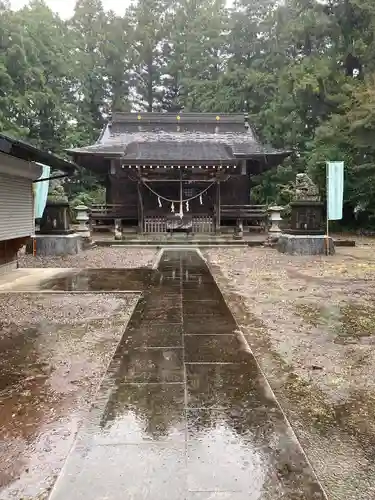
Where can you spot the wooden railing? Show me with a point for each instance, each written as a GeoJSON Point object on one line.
{"type": "Point", "coordinates": [155, 224]}
{"type": "Point", "coordinates": [105, 210]}
{"type": "Point", "coordinates": [254, 216]}
{"type": "Point", "coordinates": [250, 212]}
{"type": "Point", "coordinates": [103, 216]}
{"type": "Point", "coordinates": [163, 224]}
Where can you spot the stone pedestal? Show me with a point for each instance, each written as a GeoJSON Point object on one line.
{"type": "Point", "coordinates": [306, 218]}
{"type": "Point", "coordinates": [82, 218]}
{"type": "Point", "coordinates": [56, 219]}
{"type": "Point", "coordinates": [275, 218]}
{"type": "Point", "coordinates": [305, 244]}
{"type": "Point", "coordinates": [58, 244]}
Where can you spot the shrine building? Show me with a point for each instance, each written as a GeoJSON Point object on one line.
{"type": "Point", "coordinates": [164, 171]}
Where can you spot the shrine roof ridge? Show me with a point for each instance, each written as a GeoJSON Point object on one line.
{"type": "Point", "coordinates": [240, 145]}
{"type": "Point", "coordinates": [182, 117]}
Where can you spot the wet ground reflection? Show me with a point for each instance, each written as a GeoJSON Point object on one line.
{"type": "Point", "coordinates": [183, 413]}
{"type": "Point", "coordinates": [87, 280]}
{"type": "Point", "coordinates": [54, 350]}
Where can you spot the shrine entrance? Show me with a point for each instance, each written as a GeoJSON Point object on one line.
{"type": "Point", "coordinates": [190, 172]}
{"type": "Point", "coordinates": [179, 206]}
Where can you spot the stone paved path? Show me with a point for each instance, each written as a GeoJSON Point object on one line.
{"type": "Point", "coordinates": [183, 413]}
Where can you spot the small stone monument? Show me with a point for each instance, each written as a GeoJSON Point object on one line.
{"type": "Point", "coordinates": [55, 236]}
{"type": "Point", "coordinates": [82, 218]}
{"type": "Point", "coordinates": [56, 216]}
{"type": "Point", "coordinates": [117, 229]}
{"type": "Point", "coordinates": [275, 218]}
{"type": "Point", "coordinates": [238, 230]}
{"type": "Point", "coordinates": [306, 234]}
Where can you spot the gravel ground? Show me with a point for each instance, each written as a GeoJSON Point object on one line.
{"type": "Point", "coordinates": [54, 351]}
{"type": "Point", "coordinates": [124, 257]}
{"type": "Point", "coordinates": [310, 322]}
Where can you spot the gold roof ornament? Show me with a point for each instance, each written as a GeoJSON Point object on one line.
{"type": "Point", "coordinates": [178, 117]}
{"type": "Point", "coordinates": [139, 117]}
{"type": "Point", "coordinates": [218, 118]}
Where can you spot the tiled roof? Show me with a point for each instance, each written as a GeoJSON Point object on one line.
{"type": "Point", "coordinates": [159, 137]}
{"type": "Point", "coordinates": [25, 151]}
{"type": "Point", "coordinates": [175, 151]}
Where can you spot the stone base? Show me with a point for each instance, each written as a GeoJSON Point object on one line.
{"type": "Point", "coordinates": [7, 268]}
{"type": "Point", "coordinates": [272, 240]}
{"type": "Point", "coordinates": [305, 245]}
{"type": "Point", "coordinates": [70, 244]}
{"type": "Point", "coordinates": [55, 232]}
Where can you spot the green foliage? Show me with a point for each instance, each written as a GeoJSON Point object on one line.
{"type": "Point", "coordinates": [304, 70]}
{"type": "Point", "coordinates": [89, 198]}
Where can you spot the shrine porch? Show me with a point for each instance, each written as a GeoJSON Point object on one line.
{"type": "Point", "coordinates": [222, 219]}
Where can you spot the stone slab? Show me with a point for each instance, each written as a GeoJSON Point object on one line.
{"type": "Point", "coordinates": [305, 244]}
{"type": "Point", "coordinates": [196, 419]}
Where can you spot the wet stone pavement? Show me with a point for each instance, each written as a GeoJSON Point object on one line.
{"type": "Point", "coordinates": [89, 280]}
{"type": "Point", "coordinates": [183, 412]}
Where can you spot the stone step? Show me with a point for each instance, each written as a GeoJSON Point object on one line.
{"type": "Point", "coordinates": [184, 242]}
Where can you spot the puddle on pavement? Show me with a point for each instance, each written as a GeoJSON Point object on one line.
{"type": "Point", "coordinates": [102, 280]}
{"type": "Point", "coordinates": [183, 413]}
{"type": "Point", "coordinates": [47, 370]}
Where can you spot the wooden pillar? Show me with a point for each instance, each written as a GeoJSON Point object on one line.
{"type": "Point", "coordinates": [110, 180]}
{"type": "Point", "coordinates": [108, 190]}
{"type": "Point", "coordinates": [217, 221]}
{"type": "Point", "coordinates": [254, 170]}
{"type": "Point", "coordinates": [140, 208]}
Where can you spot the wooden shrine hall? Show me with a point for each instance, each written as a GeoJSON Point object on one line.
{"type": "Point", "coordinates": [186, 172]}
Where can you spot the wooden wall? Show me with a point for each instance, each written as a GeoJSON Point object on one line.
{"type": "Point", "coordinates": [9, 249]}
{"type": "Point", "coordinates": [122, 189]}
{"type": "Point", "coordinates": [235, 191]}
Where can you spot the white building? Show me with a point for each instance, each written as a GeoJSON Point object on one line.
{"type": "Point", "coordinates": [18, 171]}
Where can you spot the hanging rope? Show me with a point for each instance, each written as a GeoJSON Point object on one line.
{"type": "Point", "coordinates": [169, 200]}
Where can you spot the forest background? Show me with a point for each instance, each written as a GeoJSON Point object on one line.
{"type": "Point", "coordinates": [304, 71]}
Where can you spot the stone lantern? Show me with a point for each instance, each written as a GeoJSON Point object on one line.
{"type": "Point", "coordinates": [275, 218]}
{"type": "Point", "coordinates": [82, 218]}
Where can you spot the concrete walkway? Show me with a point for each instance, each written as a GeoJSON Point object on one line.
{"type": "Point", "coordinates": [184, 412]}
{"type": "Point", "coordinates": [29, 279]}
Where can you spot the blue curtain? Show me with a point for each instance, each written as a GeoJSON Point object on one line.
{"type": "Point", "coordinates": [41, 192]}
